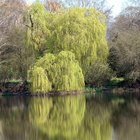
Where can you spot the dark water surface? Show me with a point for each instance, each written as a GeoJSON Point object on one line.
{"type": "Point", "coordinates": [69, 118]}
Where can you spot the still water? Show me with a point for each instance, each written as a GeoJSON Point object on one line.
{"type": "Point", "coordinates": [69, 118]}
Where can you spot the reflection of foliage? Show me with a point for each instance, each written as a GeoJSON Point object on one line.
{"type": "Point", "coordinates": [64, 117]}
{"type": "Point", "coordinates": [62, 71]}
{"type": "Point", "coordinates": [96, 125]}
{"type": "Point", "coordinates": [127, 121]}
{"type": "Point", "coordinates": [39, 110]}
{"type": "Point", "coordinates": [1, 132]}
{"type": "Point", "coordinates": [12, 118]}
{"type": "Point", "coordinates": [15, 122]}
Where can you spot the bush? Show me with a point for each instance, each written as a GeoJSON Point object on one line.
{"type": "Point", "coordinates": [98, 74]}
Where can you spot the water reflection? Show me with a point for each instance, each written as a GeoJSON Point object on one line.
{"type": "Point", "coordinates": [96, 124]}
{"type": "Point", "coordinates": [68, 118]}
{"type": "Point", "coordinates": [60, 117]}
{"type": "Point", "coordinates": [127, 121]}
{"type": "Point", "coordinates": [12, 118]}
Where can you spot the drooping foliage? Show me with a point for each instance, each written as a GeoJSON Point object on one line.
{"type": "Point", "coordinates": [61, 71]}
{"type": "Point", "coordinates": [81, 31]}
{"type": "Point", "coordinates": [36, 20]}
{"type": "Point", "coordinates": [39, 80]}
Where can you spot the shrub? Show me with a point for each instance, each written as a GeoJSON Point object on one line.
{"type": "Point", "coordinates": [98, 74]}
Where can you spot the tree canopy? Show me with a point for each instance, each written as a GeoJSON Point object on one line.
{"type": "Point", "coordinates": [81, 31]}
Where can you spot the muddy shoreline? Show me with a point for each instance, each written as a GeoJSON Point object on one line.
{"type": "Point", "coordinates": [7, 89]}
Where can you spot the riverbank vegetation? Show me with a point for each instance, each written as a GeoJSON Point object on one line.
{"type": "Point", "coordinates": [66, 46]}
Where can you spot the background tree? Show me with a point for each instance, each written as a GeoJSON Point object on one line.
{"type": "Point", "coordinates": [53, 6]}
{"type": "Point", "coordinates": [11, 15]}
{"type": "Point", "coordinates": [100, 5]}
{"type": "Point", "coordinates": [15, 59]}
{"type": "Point", "coordinates": [125, 44]}
{"type": "Point", "coordinates": [11, 38]}
{"type": "Point", "coordinates": [14, 56]}
{"type": "Point", "coordinates": [99, 74]}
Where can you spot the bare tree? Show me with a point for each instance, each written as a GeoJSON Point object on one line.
{"type": "Point", "coordinates": [10, 15]}
{"type": "Point", "coordinates": [100, 4]}
{"type": "Point", "coordinates": [125, 44]}
{"type": "Point", "coordinates": [12, 39]}
{"type": "Point", "coordinates": [52, 5]}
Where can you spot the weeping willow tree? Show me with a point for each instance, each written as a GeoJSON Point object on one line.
{"type": "Point", "coordinates": [37, 29]}
{"type": "Point", "coordinates": [63, 37]}
{"type": "Point", "coordinates": [81, 31]}
{"type": "Point", "coordinates": [59, 72]}
{"type": "Point", "coordinates": [61, 117]}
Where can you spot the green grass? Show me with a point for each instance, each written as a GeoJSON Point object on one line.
{"type": "Point", "coordinates": [115, 81]}
{"type": "Point", "coordinates": [14, 81]}
{"type": "Point", "coordinates": [96, 90]}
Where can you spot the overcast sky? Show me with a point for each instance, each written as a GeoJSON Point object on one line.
{"type": "Point", "coordinates": [117, 5]}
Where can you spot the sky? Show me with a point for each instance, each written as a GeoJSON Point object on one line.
{"type": "Point", "coordinates": [115, 4]}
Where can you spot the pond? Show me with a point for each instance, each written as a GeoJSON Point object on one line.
{"type": "Point", "coordinates": [76, 117]}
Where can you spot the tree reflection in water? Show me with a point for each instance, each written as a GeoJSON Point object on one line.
{"type": "Point", "coordinates": [68, 118]}
{"type": "Point", "coordinates": [96, 124]}
{"type": "Point", "coordinates": [61, 119]}
{"type": "Point", "coordinates": [127, 121]}
{"type": "Point", "coordinates": [12, 116]}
